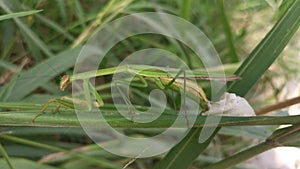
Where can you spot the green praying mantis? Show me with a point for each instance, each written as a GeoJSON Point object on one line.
{"type": "Point", "coordinates": [164, 78]}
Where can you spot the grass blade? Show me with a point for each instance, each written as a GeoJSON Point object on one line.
{"type": "Point", "coordinates": [26, 30]}
{"type": "Point", "coordinates": [98, 161]}
{"type": "Point", "coordinates": [261, 58]}
{"type": "Point", "coordinates": [185, 9]}
{"type": "Point", "coordinates": [29, 81]}
{"type": "Point", "coordinates": [227, 31]}
{"type": "Point", "coordinates": [188, 149]}
{"type": "Point", "coordinates": [6, 157]}
{"type": "Point", "coordinates": [8, 88]}
{"type": "Point", "coordinates": [278, 137]}
{"type": "Point", "coordinates": [18, 14]}
{"type": "Point", "coordinates": [55, 26]}
{"type": "Point", "coordinates": [20, 114]}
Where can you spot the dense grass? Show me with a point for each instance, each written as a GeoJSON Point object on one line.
{"type": "Point", "coordinates": [40, 41]}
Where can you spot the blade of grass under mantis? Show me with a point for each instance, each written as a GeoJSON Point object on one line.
{"type": "Point", "coordinates": [250, 71]}
{"type": "Point", "coordinates": [21, 114]}
{"type": "Point", "coordinates": [18, 14]}
{"type": "Point", "coordinates": [31, 79]}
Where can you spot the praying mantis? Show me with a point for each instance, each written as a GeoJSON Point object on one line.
{"type": "Point", "coordinates": [163, 77]}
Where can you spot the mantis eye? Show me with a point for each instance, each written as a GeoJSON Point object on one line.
{"type": "Point", "coordinates": [65, 80]}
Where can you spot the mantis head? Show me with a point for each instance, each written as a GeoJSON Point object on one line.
{"type": "Point", "coordinates": [65, 80]}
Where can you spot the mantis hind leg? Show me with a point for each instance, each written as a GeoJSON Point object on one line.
{"type": "Point", "coordinates": [44, 109]}
{"type": "Point", "coordinates": [59, 102]}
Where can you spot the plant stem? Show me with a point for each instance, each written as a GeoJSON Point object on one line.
{"type": "Point", "coordinates": [278, 106]}
{"type": "Point", "coordinates": [6, 157]}
{"type": "Point", "coordinates": [278, 138]}
{"type": "Point", "coordinates": [242, 156]}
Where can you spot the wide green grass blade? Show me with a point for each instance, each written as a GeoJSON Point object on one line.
{"type": "Point", "coordinates": [8, 87]}
{"type": "Point", "coordinates": [250, 71]}
{"type": "Point", "coordinates": [20, 114]}
{"type": "Point", "coordinates": [18, 14]}
{"type": "Point", "coordinates": [100, 162]}
{"type": "Point", "coordinates": [42, 73]}
{"type": "Point", "coordinates": [188, 148]}
{"type": "Point", "coordinates": [24, 164]}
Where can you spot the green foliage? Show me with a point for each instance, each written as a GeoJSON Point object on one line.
{"type": "Point", "coordinates": [40, 41]}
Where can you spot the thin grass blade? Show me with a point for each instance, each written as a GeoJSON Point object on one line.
{"type": "Point", "coordinates": [18, 14]}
